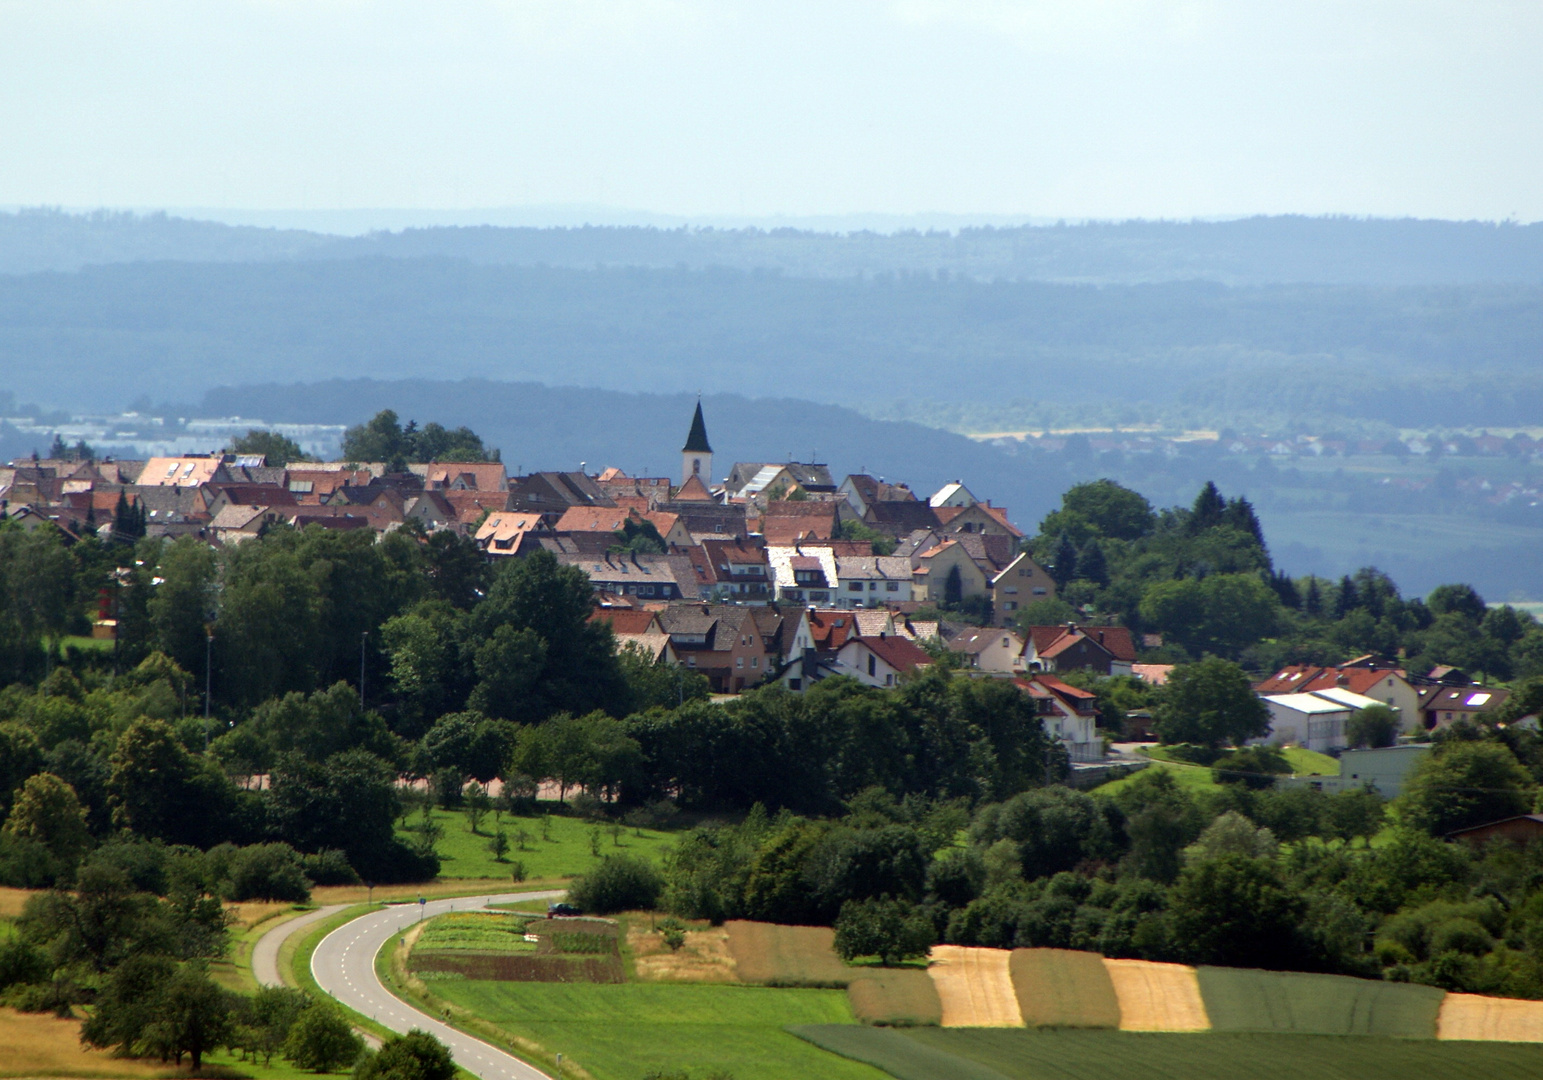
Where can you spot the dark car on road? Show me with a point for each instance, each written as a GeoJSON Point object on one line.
{"type": "Point", "coordinates": [554, 911]}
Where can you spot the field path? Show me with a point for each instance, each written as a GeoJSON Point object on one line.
{"type": "Point", "coordinates": [343, 965]}
{"type": "Point", "coordinates": [975, 986]}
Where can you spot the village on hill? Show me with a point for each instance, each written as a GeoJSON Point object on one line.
{"type": "Point", "coordinates": [775, 574]}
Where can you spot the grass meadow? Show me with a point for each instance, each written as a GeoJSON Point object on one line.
{"type": "Point", "coordinates": [621, 1032]}
{"type": "Point", "coordinates": [1066, 1054]}
{"type": "Point", "coordinates": [554, 848]}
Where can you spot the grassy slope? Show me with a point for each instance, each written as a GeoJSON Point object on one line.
{"type": "Point", "coordinates": [621, 1032]}
{"type": "Point", "coordinates": [567, 854]}
{"type": "Point", "coordinates": [1115, 1055]}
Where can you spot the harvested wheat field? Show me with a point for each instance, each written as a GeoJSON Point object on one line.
{"type": "Point", "coordinates": [39, 1045]}
{"type": "Point", "coordinates": [1064, 988]}
{"type": "Point", "coordinates": [1157, 997]}
{"type": "Point", "coordinates": [975, 986]}
{"type": "Point", "coordinates": [704, 958]}
{"type": "Point", "coordinates": [13, 900]}
{"type": "Point", "coordinates": [1487, 1019]}
{"type": "Point", "coordinates": [895, 996]}
{"type": "Point", "coordinates": [775, 955]}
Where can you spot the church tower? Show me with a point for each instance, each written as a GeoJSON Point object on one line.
{"type": "Point", "coordinates": [697, 455]}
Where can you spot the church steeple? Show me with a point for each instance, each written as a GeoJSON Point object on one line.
{"type": "Point", "coordinates": [697, 454]}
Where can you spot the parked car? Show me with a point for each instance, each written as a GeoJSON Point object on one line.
{"type": "Point", "coordinates": [556, 911]}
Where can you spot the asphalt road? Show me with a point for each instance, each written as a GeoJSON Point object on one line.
{"type": "Point", "coordinates": [343, 965]}
{"type": "Point", "coordinates": [265, 954]}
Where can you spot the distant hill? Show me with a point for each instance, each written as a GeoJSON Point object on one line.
{"type": "Point", "coordinates": [1251, 251]}
{"type": "Point", "coordinates": [108, 335]}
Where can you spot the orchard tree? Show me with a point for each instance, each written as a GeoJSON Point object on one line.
{"type": "Point", "coordinates": [47, 811]}
{"type": "Point", "coordinates": [892, 930]}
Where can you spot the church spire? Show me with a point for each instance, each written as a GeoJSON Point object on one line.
{"type": "Point", "coordinates": [696, 442]}
{"type": "Point", "coordinates": [697, 455]}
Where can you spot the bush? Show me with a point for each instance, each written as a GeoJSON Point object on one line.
{"type": "Point", "coordinates": [322, 1040]}
{"type": "Point", "coordinates": [329, 867]}
{"type": "Point", "coordinates": [266, 872]}
{"type": "Point", "coordinates": [414, 1056]}
{"type": "Point", "coordinates": [619, 883]}
{"type": "Point", "coordinates": [21, 962]}
{"type": "Point", "coordinates": [1253, 766]}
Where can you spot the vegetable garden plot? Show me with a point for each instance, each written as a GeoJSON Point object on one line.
{"type": "Point", "coordinates": [1487, 1019]}
{"type": "Point", "coordinates": [1240, 999]}
{"type": "Point", "coordinates": [975, 986]}
{"type": "Point", "coordinates": [903, 996]}
{"type": "Point", "coordinates": [1064, 988]}
{"type": "Point", "coordinates": [776, 955]}
{"type": "Point", "coordinates": [1157, 997]}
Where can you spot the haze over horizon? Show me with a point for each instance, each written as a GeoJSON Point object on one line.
{"type": "Point", "coordinates": [688, 110]}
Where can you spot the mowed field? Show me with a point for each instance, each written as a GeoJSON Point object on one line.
{"type": "Point", "coordinates": [1049, 1054]}
{"type": "Point", "coordinates": [567, 851]}
{"type": "Point", "coordinates": [621, 1032]}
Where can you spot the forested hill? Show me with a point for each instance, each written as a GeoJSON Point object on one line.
{"type": "Point", "coordinates": [1251, 251]}
{"type": "Point", "coordinates": [1442, 356]}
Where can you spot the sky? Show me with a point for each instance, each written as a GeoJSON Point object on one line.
{"type": "Point", "coordinates": [1075, 109]}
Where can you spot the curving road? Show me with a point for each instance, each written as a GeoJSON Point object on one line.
{"type": "Point", "coordinates": [343, 965]}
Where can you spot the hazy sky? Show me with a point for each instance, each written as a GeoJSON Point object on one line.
{"type": "Point", "coordinates": [1084, 108]}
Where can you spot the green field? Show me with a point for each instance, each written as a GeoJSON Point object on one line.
{"type": "Point", "coordinates": [1238, 999]}
{"type": "Point", "coordinates": [567, 853]}
{"type": "Point", "coordinates": [621, 1032]}
{"type": "Point", "coordinates": [1014, 1054]}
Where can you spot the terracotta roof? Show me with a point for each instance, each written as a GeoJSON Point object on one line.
{"type": "Point", "coordinates": [899, 653]}
{"type": "Point", "coordinates": [693, 490]}
{"type": "Point", "coordinates": [629, 621]}
{"type": "Point", "coordinates": [1152, 674]}
{"type": "Point", "coordinates": [606, 519]}
{"type": "Point", "coordinates": [1050, 641]}
{"type": "Point", "coordinates": [470, 505]}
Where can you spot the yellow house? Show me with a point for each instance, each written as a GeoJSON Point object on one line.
{"type": "Point", "coordinates": [1020, 583]}
{"type": "Point", "coordinates": [946, 574]}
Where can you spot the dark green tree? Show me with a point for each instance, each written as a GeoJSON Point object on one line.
{"type": "Point", "coordinates": [279, 450]}
{"type": "Point", "coordinates": [1210, 703]}
{"type": "Point", "coordinates": [414, 1056]}
{"type": "Point", "coordinates": [1462, 784]}
{"type": "Point", "coordinates": [892, 930]}
{"type": "Point", "coordinates": [1373, 726]}
{"type": "Point", "coordinates": [321, 1039]}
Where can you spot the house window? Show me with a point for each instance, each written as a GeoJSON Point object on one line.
{"type": "Point", "coordinates": [1039, 592]}
{"type": "Point", "coordinates": [739, 662]}
{"type": "Point", "coordinates": [873, 667]}
{"type": "Point", "coordinates": [889, 680]}
{"type": "Point", "coordinates": [795, 684]}
{"type": "Point", "coordinates": [1011, 605]}
{"type": "Point", "coordinates": [755, 661]}
{"type": "Point", "coordinates": [892, 586]}
{"type": "Point", "coordinates": [873, 586]}
{"type": "Point", "coordinates": [856, 586]}
{"type": "Point", "coordinates": [691, 661]}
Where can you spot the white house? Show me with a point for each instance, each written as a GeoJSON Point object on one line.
{"type": "Point", "coordinates": [1315, 720]}
{"type": "Point", "coordinates": [872, 580]}
{"type": "Point", "coordinates": [955, 494]}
